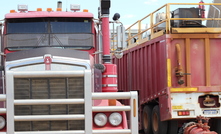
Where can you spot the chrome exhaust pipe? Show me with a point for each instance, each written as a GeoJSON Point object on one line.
{"type": "Point", "coordinates": [59, 5]}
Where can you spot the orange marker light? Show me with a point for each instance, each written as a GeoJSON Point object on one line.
{"type": "Point", "coordinates": [12, 11]}
{"type": "Point", "coordinates": [49, 9]}
{"type": "Point", "coordinates": [85, 10]}
{"type": "Point", "coordinates": [59, 9]}
{"type": "Point", "coordinates": [112, 102]}
{"type": "Point", "coordinates": [39, 9]}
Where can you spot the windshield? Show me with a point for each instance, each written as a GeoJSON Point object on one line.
{"type": "Point", "coordinates": [55, 32]}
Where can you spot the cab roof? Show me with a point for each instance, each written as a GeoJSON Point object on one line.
{"type": "Point", "coordinates": [44, 14]}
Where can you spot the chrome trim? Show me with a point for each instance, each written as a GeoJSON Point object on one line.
{"type": "Point", "coordinates": [40, 60]}
{"type": "Point", "coordinates": [24, 74]}
{"type": "Point", "coordinates": [109, 85]}
{"type": "Point", "coordinates": [109, 76]}
{"type": "Point", "coordinates": [49, 117]}
{"type": "Point", "coordinates": [89, 108]}
{"type": "Point", "coordinates": [48, 101]}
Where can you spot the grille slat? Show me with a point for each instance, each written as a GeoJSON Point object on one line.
{"type": "Point", "coordinates": [49, 88]}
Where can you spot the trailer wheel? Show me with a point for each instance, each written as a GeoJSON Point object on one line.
{"type": "Point", "coordinates": [159, 127]}
{"type": "Point", "coordinates": [172, 127]}
{"type": "Point", "coordinates": [147, 127]}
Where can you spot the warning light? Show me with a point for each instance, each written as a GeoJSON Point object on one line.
{"type": "Point", "coordinates": [59, 9]}
{"type": "Point", "coordinates": [85, 10]}
{"type": "Point", "coordinates": [183, 113]}
{"type": "Point", "coordinates": [12, 11]}
{"type": "Point", "coordinates": [49, 9]}
{"type": "Point", "coordinates": [39, 9]}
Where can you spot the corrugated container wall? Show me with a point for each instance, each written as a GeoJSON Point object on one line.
{"type": "Point", "coordinates": [151, 67]}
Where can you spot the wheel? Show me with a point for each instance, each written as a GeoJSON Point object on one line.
{"type": "Point", "coordinates": [172, 127]}
{"type": "Point", "coordinates": [216, 125]}
{"type": "Point", "coordinates": [147, 127]}
{"type": "Point", "coordinates": [159, 127]}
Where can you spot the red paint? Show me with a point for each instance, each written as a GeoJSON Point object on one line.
{"type": "Point", "coordinates": [200, 127]}
{"type": "Point", "coordinates": [215, 65]}
{"type": "Point", "coordinates": [197, 62]}
{"type": "Point", "coordinates": [143, 68]}
{"type": "Point", "coordinates": [105, 36]}
{"type": "Point", "coordinates": [47, 61]}
{"type": "Point", "coordinates": [111, 69]}
{"type": "Point", "coordinates": [7, 51]}
{"type": "Point", "coordinates": [108, 79]}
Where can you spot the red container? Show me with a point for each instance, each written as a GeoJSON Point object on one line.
{"type": "Point", "coordinates": [176, 72]}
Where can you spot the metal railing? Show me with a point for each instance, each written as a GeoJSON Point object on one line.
{"type": "Point", "coordinates": [10, 103]}
{"type": "Point", "coordinates": [152, 24]}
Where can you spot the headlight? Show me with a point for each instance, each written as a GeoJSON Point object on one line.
{"type": "Point", "coordinates": [115, 119]}
{"type": "Point", "coordinates": [100, 119]}
{"type": "Point", "coordinates": [2, 122]}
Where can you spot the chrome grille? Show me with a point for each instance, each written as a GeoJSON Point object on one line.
{"type": "Point", "coordinates": [49, 88]}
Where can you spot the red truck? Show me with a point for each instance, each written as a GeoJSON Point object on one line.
{"type": "Point", "coordinates": [175, 65]}
{"type": "Point", "coordinates": [57, 76]}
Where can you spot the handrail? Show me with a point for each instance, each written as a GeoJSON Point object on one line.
{"type": "Point", "coordinates": [152, 24]}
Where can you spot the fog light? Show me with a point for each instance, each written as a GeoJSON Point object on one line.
{"type": "Point", "coordinates": [115, 119]}
{"type": "Point", "coordinates": [2, 122]}
{"type": "Point", "coordinates": [100, 119]}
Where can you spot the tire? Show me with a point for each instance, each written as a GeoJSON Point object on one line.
{"type": "Point", "coordinates": [216, 125]}
{"type": "Point", "coordinates": [158, 127]}
{"type": "Point", "coordinates": [172, 127]}
{"type": "Point", "coordinates": [146, 118]}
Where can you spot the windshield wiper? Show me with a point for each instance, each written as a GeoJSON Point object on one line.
{"type": "Point", "coordinates": [56, 38]}
{"type": "Point", "coordinates": [43, 36]}
{"type": "Point", "coordinates": [40, 39]}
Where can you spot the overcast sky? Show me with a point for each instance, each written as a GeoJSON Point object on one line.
{"type": "Point", "coordinates": [130, 10]}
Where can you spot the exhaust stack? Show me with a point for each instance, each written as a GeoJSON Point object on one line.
{"type": "Point", "coordinates": [59, 5]}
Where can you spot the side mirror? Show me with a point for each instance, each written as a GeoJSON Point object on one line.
{"type": "Point", "coordinates": [121, 41]}
{"type": "Point", "coordinates": [116, 16]}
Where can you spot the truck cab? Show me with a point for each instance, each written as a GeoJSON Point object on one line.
{"type": "Point", "coordinates": [26, 30]}
{"type": "Point", "coordinates": [51, 80]}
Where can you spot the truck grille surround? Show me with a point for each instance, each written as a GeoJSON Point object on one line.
{"type": "Point", "coordinates": [49, 88]}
